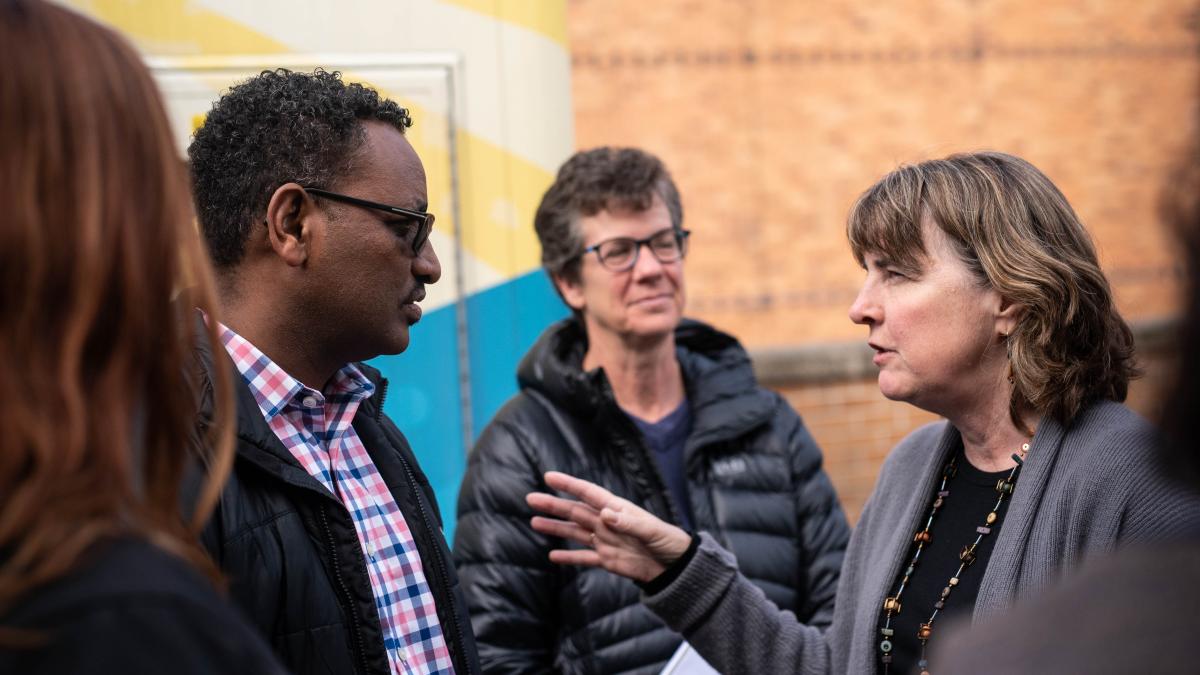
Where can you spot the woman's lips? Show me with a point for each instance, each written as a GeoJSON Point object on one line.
{"type": "Point", "coordinates": [881, 354]}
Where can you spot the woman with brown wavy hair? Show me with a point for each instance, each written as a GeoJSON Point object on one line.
{"type": "Point", "coordinates": [985, 304]}
{"type": "Point", "coordinates": [101, 270]}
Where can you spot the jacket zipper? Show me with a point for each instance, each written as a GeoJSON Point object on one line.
{"type": "Point", "coordinates": [337, 573]}
{"type": "Point", "coordinates": [649, 468]}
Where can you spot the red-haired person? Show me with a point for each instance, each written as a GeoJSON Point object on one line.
{"type": "Point", "coordinates": [101, 270]}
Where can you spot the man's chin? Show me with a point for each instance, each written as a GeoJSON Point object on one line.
{"type": "Point", "coordinates": [395, 343]}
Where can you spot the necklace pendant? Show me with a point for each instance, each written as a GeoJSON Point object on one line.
{"type": "Point", "coordinates": [967, 556]}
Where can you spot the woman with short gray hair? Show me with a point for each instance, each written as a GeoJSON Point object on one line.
{"type": "Point", "coordinates": [658, 408]}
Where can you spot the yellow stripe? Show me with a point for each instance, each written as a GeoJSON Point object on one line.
{"type": "Point", "coordinates": [547, 17]}
{"type": "Point", "coordinates": [176, 27]}
{"type": "Point", "coordinates": [498, 192]}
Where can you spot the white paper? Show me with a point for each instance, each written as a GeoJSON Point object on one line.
{"type": "Point", "coordinates": [686, 661]}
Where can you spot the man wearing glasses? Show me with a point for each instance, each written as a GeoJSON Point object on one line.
{"type": "Point", "coordinates": [661, 410]}
{"type": "Point", "coordinates": [314, 208]}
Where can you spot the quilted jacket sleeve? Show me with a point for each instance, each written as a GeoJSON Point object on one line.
{"type": "Point", "coordinates": [824, 532]}
{"type": "Point", "coordinates": [503, 564]}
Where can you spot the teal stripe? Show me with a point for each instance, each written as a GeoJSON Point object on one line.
{"type": "Point", "coordinates": [423, 390]}
{"type": "Point", "coordinates": [505, 321]}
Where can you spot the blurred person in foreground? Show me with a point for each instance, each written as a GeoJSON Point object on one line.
{"type": "Point", "coordinates": [1133, 612]}
{"type": "Point", "coordinates": [662, 410]}
{"type": "Point", "coordinates": [313, 204]}
{"type": "Point", "coordinates": [985, 304]}
{"type": "Point", "coordinates": [100, 271]}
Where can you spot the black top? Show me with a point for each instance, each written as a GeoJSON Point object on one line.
{"type": "Point", "coordinates": [130, 607]}
{"type": "Point", "coordinates": [666, 439]}
{"type": "Point", "coordinates": [972, 496]}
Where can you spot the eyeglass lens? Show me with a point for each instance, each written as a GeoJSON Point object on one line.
{"type": "Point", "coordinates": [621, 253]}
{"type": "Point", "coordinates": [422, 234]}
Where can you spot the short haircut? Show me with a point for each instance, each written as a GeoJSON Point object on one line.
{"type": "Point", "coordinates": [592, 181]}
{"type": "Point", "coordinates": [277, 127]}
{"type": "Point", "coordinates": [1017, 234]}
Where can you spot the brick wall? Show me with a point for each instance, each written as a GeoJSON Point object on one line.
{"type": "Point", "coordinates": [773, 115]}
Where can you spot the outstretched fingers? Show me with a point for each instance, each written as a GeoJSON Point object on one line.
{"type": "Point", "coordinates": [564, 509]}
{"type": "Point", "coordinates": [562, 529]}
{"type": "Point", "coordinates": [583, 556]}
{"type": "Point", "coordinates": [591, 494]}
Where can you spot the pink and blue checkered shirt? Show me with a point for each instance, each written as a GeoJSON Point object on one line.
{"type": "Point", "coordinates": [316, 427]}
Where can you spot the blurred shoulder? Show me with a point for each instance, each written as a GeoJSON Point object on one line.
{"type": "Point", "coordinates": [132, 607]}
{"type": "Point", "coordinates": [1109, 436]}
{"type": "Point", "coordinates": [1113, 420]}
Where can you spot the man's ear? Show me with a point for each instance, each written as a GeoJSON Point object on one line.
{"type": "Point", "coordinates": [570, 290]}
{"type": "Point", "coordinates": [290, 223]}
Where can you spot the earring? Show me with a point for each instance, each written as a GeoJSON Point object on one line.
{"type": "Point", "coordinates": [1008, 350]}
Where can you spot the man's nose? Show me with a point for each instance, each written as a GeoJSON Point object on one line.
{"type": "Point", "coordinates": [426, 265]}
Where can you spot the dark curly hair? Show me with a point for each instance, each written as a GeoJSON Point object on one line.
{"type": "Point", "coordinates": [592, 181]}
{"type": "Point", "coordinates": [276, 127]}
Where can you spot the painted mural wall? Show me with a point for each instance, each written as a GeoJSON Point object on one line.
{"type": "Point", "coordinates": [487, 82]}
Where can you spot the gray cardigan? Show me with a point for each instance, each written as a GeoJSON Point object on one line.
{"type": "Point", "coordinates": [1082, 491]}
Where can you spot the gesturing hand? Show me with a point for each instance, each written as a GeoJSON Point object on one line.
{"type": "Point", "coordinates": [622, 537]}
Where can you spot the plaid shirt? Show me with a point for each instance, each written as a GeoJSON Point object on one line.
{"type": "Point", "coordinates": [316, 427]}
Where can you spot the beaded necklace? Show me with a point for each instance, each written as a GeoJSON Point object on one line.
{"type": "Point", "coordinates": [891, 605]}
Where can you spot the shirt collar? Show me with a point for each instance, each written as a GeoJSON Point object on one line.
{"type": "Point", "coordinates": [273, 388]}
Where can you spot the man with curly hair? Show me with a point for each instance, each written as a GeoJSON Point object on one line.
{"type": "Point", "coordinates": [314, 207]}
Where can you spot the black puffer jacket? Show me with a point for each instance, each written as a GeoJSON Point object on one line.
{"type": "Point", "coordinates": [754, 481]}
{"type": "Point", "coordinates": [292, 556]}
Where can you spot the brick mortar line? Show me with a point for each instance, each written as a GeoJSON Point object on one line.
{"type": "Point", "coordinates": [906, 56]}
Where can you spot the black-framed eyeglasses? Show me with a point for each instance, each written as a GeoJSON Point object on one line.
{"type": "Point", "coordinates": [621, 253]}
{"type": "Point", "coordinates": [423, 218]}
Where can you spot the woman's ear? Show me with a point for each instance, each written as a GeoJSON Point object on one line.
{"type": "Point", "coordinates": [1008, 315]}
{"type": "Point", "coordinates": [571, 291]}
